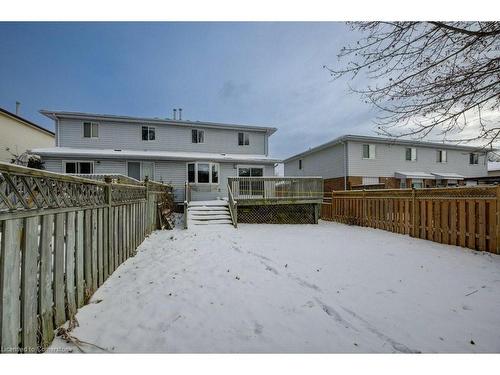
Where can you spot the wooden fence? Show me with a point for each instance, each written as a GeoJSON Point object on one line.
{"type": "Point", "coordinates": [61, 237]}
{"type": "Point", "coordinates": [466, 216]}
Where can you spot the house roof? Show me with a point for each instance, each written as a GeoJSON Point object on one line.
{"type": "Point", "coordinates": [371, 139]}
{"type": "Point", "coordinates": [70, 152]}
{"type": "Point", "coordinates": [448, 176]}
{"type": "Point", "coordinates": [153, 120]}
{"type": "Point", "coordinates": [419, 175]}
{"type": "Point", "coordinates": [27, 122]}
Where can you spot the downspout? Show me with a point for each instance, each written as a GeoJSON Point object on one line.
{"type": "Point", "coordinates": [57, 132]}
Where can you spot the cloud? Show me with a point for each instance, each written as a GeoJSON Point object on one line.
{"type": "Point", "coordinates": [233, 90]}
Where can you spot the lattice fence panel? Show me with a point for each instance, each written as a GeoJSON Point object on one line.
{"type": "Point", "coordinates": [277, 214]}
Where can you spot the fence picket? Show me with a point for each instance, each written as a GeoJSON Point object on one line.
{"type": "Point", "coordinates": [70, 265]}
{"type": "Point", "coordinates": [79, 260]}
{"type": "Point", "coordinates": [59, 308]}
{"type": "Point", "coordinates": [10, 265]}
{"type": "Point", "coordinates": [45, 299]}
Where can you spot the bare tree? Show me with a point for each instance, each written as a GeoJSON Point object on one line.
{"type": "Point", "coordinates": [429, 77]}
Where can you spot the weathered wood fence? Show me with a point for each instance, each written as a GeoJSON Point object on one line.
{"type": "Point", "coordinates": [466, 216]}
{"type": "Point", "coordinates": [61, 237]}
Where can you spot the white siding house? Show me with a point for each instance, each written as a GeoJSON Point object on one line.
{"type": "Point", "coordinates": [204, 154]}
{"type": "Point", "coordinates": [353, 161]}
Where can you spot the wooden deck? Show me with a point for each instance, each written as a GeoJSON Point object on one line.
{"type": "Point", "coordinates": [275, 190]}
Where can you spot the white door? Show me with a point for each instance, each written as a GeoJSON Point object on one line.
{"type": "Point", "coordinates": [148, 170]}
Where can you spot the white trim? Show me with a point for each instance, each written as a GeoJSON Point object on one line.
{"type": "Point", "coordinates": [78, 161]}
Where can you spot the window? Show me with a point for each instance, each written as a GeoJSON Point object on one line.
{"type": "Point", "coordinates": [300, 163]}
{"type": "Point", "coordinates": [197, 136]}
{"type": "Point", "coordinates": [368, 151]}
{"type": "Point", "coordinates": [134, 169]}
{"type": "Point", "coordinates": [203, 173]}
{"type": "Point", "coordinates": [441, 156]}
{"type": "Point", "coordinates": [402, 184]}
{"type": "Point", "coordinates": [411, 154]}
{"type": "Point", "coordinates": [417, 183]}
{"type": "Point", "coordinates": [90, 129]}
{"type": "Point", "coordinates": [191, 172]}
{"type": "Point", "coordinates": [79, 167]}
{"type": "Point", "coordinates": [215, 173]}
{"type": "Point", "coordinates": [473, 158]}
{"type": "Point", "coordinates": [148, 133]}
{"type": "Point", "coordinates": [243, 139]}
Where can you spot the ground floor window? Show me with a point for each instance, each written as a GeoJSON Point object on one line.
{"type": "Point", "coordinates": [140, 170]}
{"type": "Point", "coordinates": [203, 172]}
{"type": "Point", "coordinates": [79, 167]}
{"type": "Point", "coordinates": [417, 183]}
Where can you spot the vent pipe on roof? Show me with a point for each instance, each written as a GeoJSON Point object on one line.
{"type": "Point", "coordinates": [18, 108]}
{"type": "Point", "coordinates": [180, 113]}
{"type": "Point", "coordinates": [175, 114]}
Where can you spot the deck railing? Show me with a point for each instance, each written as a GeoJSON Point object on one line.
{"type": "Point", "coordinates": [61, 237]}
{"type": "Point", "coordinates": [233, 206]}
{"type": "Point", "coordinates": [276, 188]}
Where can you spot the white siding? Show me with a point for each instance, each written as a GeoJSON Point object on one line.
{"type": "Point", "coordinates": [390, 158]}
{"type": "Point", "coordinates": [171, 172]}
{"type": "Point", "coordinates": [327, 163]}
{"type": "Point", "coordinates": [127, 136]}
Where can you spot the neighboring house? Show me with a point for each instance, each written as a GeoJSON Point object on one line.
{"type": "Point", "coordinates": [18, 135]}
{"type": "Point", "coordinates": [494, 169]}
{"type": "Point", "coordinates": [354, 161]}
{"type": "Point", "coordinates": [172, 151]}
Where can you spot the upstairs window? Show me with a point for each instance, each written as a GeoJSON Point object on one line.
{"type": "Point", "coordinates": [300, 163]}
{"type": "Point", "coordinates": [197, 136]}
{"type": "Point", "coordinates": [473, 158]}
{"type": "Point", "coordinates": [90, 129]}
{"type": "Point", "coordinates": [148, 133]}
{"type": "Point", "coordinates": [243, 139]}
{"type": "Point", "coordinates": [79, 167]}
{"type": "Point", "coordinates": [411, 154]}
{"type": "Point", "coordinates": [368, 151]}
{"type": "Point", "coordinates": [441, 156]}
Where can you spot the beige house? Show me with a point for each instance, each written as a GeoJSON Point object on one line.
{"type": "Point", "coordinates": [18, 135]}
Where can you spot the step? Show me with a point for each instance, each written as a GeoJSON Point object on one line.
{"type": "Point", "coordinates": [208, 212]}
{"type": "Point", "coordinates": [210, 222]}
{"type": "Point", "coordinates": [207, 203]}
{"type": "Point", "coordinates": [211, 217]}
{"type": "Point", "coordinates": [210, 208]}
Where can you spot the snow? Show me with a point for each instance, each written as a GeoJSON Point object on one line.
{"type": "Point", "coordinates": [157, 155]}
{"type": "Point", "coordinates": [295, 288]}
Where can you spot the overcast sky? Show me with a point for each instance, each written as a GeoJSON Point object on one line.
{"type": "Point", "coordinates": [248, 73]}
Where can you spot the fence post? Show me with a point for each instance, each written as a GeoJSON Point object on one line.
{"type": "Point", "coordinates": [146, 184]}
{"type": "Point", "coordinates": [109, 202]}
{"type": "Point", "coordinates": [413, 212]}
{"type": "Point", "coordinates": [497, 191]}
{"type": "Point", "coordinates": [365, 218]}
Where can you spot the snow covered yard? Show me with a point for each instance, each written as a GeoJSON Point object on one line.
{"type": "Point", "coordinates": [295, 288]}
